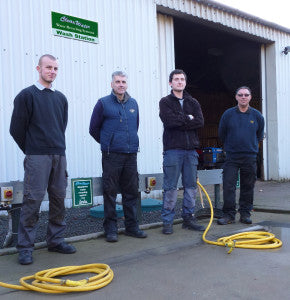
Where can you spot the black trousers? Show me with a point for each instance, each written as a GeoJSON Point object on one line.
{"type": "Point", "coordinates": [120, 173]}
{"type": "Point", "coordinates": [248, 174]}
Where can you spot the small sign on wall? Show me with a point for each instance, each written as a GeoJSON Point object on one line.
{"type": "Point", "coordinates": [82, 192]}
{"type": "Point", "coordinates": [74, 28]}
{"type": "Point", "coordinates": [239, 180]}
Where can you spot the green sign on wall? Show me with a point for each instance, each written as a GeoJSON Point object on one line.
{"type": "Point", "coordinates": [82, 192]}
{"type": "Point", "coordinates": [74, 28]}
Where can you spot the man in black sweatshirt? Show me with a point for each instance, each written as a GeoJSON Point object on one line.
{"type": "Point", "coordinates": [241, 129]}
{"type": "Point", "coordinates": [38, 126]}
{"type": "Point", "coordinates": [181, 116]}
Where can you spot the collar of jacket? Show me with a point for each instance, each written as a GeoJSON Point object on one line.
{"type": "Point", "coordinates": [185, 95]}
{"type": "Point", "coordinates": [126, 97]}
{"type": "Point", "coordinates": [246, 112]}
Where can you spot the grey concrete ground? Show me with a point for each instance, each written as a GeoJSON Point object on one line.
{"type": "Point", "coordinates": [179, 266]}
{"type": "Point", "coordinates": [272, 196]}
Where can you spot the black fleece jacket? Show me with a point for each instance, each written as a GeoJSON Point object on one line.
{"type": "Point", "coordinates": [180, 132]}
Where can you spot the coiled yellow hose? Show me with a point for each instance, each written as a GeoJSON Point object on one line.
{"type": "Point", "coordinates": [44, 281]}
{"type": "Point", "coordinates": [249, 239]}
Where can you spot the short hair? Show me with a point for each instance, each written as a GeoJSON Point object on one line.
{"type": "Point", "coordinates": [243, 87]}
{"type": "Point", "coordinates": [119, 73]}
{"type": "Point", "coordinates": [45, 55]}
{"type": "Point", "coordinates": [176, 71]}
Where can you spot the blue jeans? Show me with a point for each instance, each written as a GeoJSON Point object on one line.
{"type": "Point", "coordinates": [248, 171]}
{"type": "Point", "coordinates": [176, 162]}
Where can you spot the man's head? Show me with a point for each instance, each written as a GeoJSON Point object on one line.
{"type": "Point", "coordinates": [243, 96]}
{"type": "Point", "coordinates": [177, 80]}
{"type": "Point", "coordinates": [119, 83]}
{"type": "Point", "coordinates": [47, 69]}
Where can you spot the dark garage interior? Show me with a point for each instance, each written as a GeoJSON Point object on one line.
{"type": "Point", "coordinates": [217, 63]}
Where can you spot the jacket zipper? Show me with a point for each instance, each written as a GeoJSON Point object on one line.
{"type": "Point", "coordinates": [186, 134]}
{"type": "Point", "coordinates": [127, 131]}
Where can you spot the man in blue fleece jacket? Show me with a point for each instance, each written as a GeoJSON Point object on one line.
{"type": "Point", "coordinates": [114, 125]}
{"type": "Point", "coordinates": [241, 129]}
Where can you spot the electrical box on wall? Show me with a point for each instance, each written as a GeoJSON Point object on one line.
{"type": "Point", "coordinates": [150, 182]}
{"type": "Point", "coordinates": [6, 194]}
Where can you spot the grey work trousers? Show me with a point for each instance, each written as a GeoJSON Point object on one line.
{"type": "Point", "coordinates": [43, 173]}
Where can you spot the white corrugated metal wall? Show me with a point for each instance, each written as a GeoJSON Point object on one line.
{"type": "Point", "coordinates": [283, 104]}
{"type": "Point", "coordinates": [166, 51]}
{"type": "Point", "coordinates": [277, 140]}
{"type": "Point", "coordinates": [127, 41]}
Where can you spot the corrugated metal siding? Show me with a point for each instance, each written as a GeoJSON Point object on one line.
{"type": "Point", "coordinates": [212, 14]}
{"type": "Point", "coordinates": [283, 103]}
{"type": "Point", "coordinates": [278, 139]}
{"type": "Point", "coordinates": [127, 41]}
{"type": "Point", "coordinates": [166, 51]}
{"type": "Point", "coordinates": [130, 38]}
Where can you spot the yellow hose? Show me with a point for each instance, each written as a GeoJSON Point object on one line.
{"type": "Point", "coordinates": [44, 281]}
{"type": "Point", "coordinates": [249, 239]}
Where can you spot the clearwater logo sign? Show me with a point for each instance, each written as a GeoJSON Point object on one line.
{"type": "Point", "coordinates": [82, 191]}
{"type": "Point", "coordinates": [74, 28]}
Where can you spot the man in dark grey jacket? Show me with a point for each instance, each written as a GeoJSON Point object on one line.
{"type": "Point", "coordinates": [38, 126]}
{"type": "Point", "coordinates": [181, 116]}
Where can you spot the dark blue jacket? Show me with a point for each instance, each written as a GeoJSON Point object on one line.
{"type": "Point", "coordinates": [114, 124]}
{"type": "Point", "coordinates": [241, 132]}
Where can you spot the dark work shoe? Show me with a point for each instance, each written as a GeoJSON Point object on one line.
{"type": "Point", "coordinates": [192, 225]}
{"type": "Point", "coordinates": [167, 229]}
{"type": "Point", "coordinates": [137, 234]}
{"type": "Point", "coordinates": [63, 248]}
{"type": "Point", "coordinates": [226, 220]}
{"type": "Point", "coordinates": [245, 220]}
{"type": "Point", "coordinates": [112, 237]}
{"type": "Point", "coordinates": [25, 257]}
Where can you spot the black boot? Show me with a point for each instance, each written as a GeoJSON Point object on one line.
{"type": "Point", "coordinates": [226, 219]}
{"type": "Point", "coordinates": [191, 224]}
{"type": "Point", "coordinates": [167, 229]}
{"type": "Point", "coordinates": [245, 219]}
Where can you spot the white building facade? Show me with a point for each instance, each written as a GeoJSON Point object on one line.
{"type": "Point", "coordinates": [137, 36]}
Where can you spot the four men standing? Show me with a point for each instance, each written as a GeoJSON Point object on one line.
{"type": "Point", "coordinates": [38, 126]}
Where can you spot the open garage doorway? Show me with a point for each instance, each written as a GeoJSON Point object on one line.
{"type": "Point", "coordinates": [217, 63]}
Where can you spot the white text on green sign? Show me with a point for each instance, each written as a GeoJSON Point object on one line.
{"type": "Point", "coordinates": [82, 193]}
{"type": "Point", "coordinates": [74, 28]}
